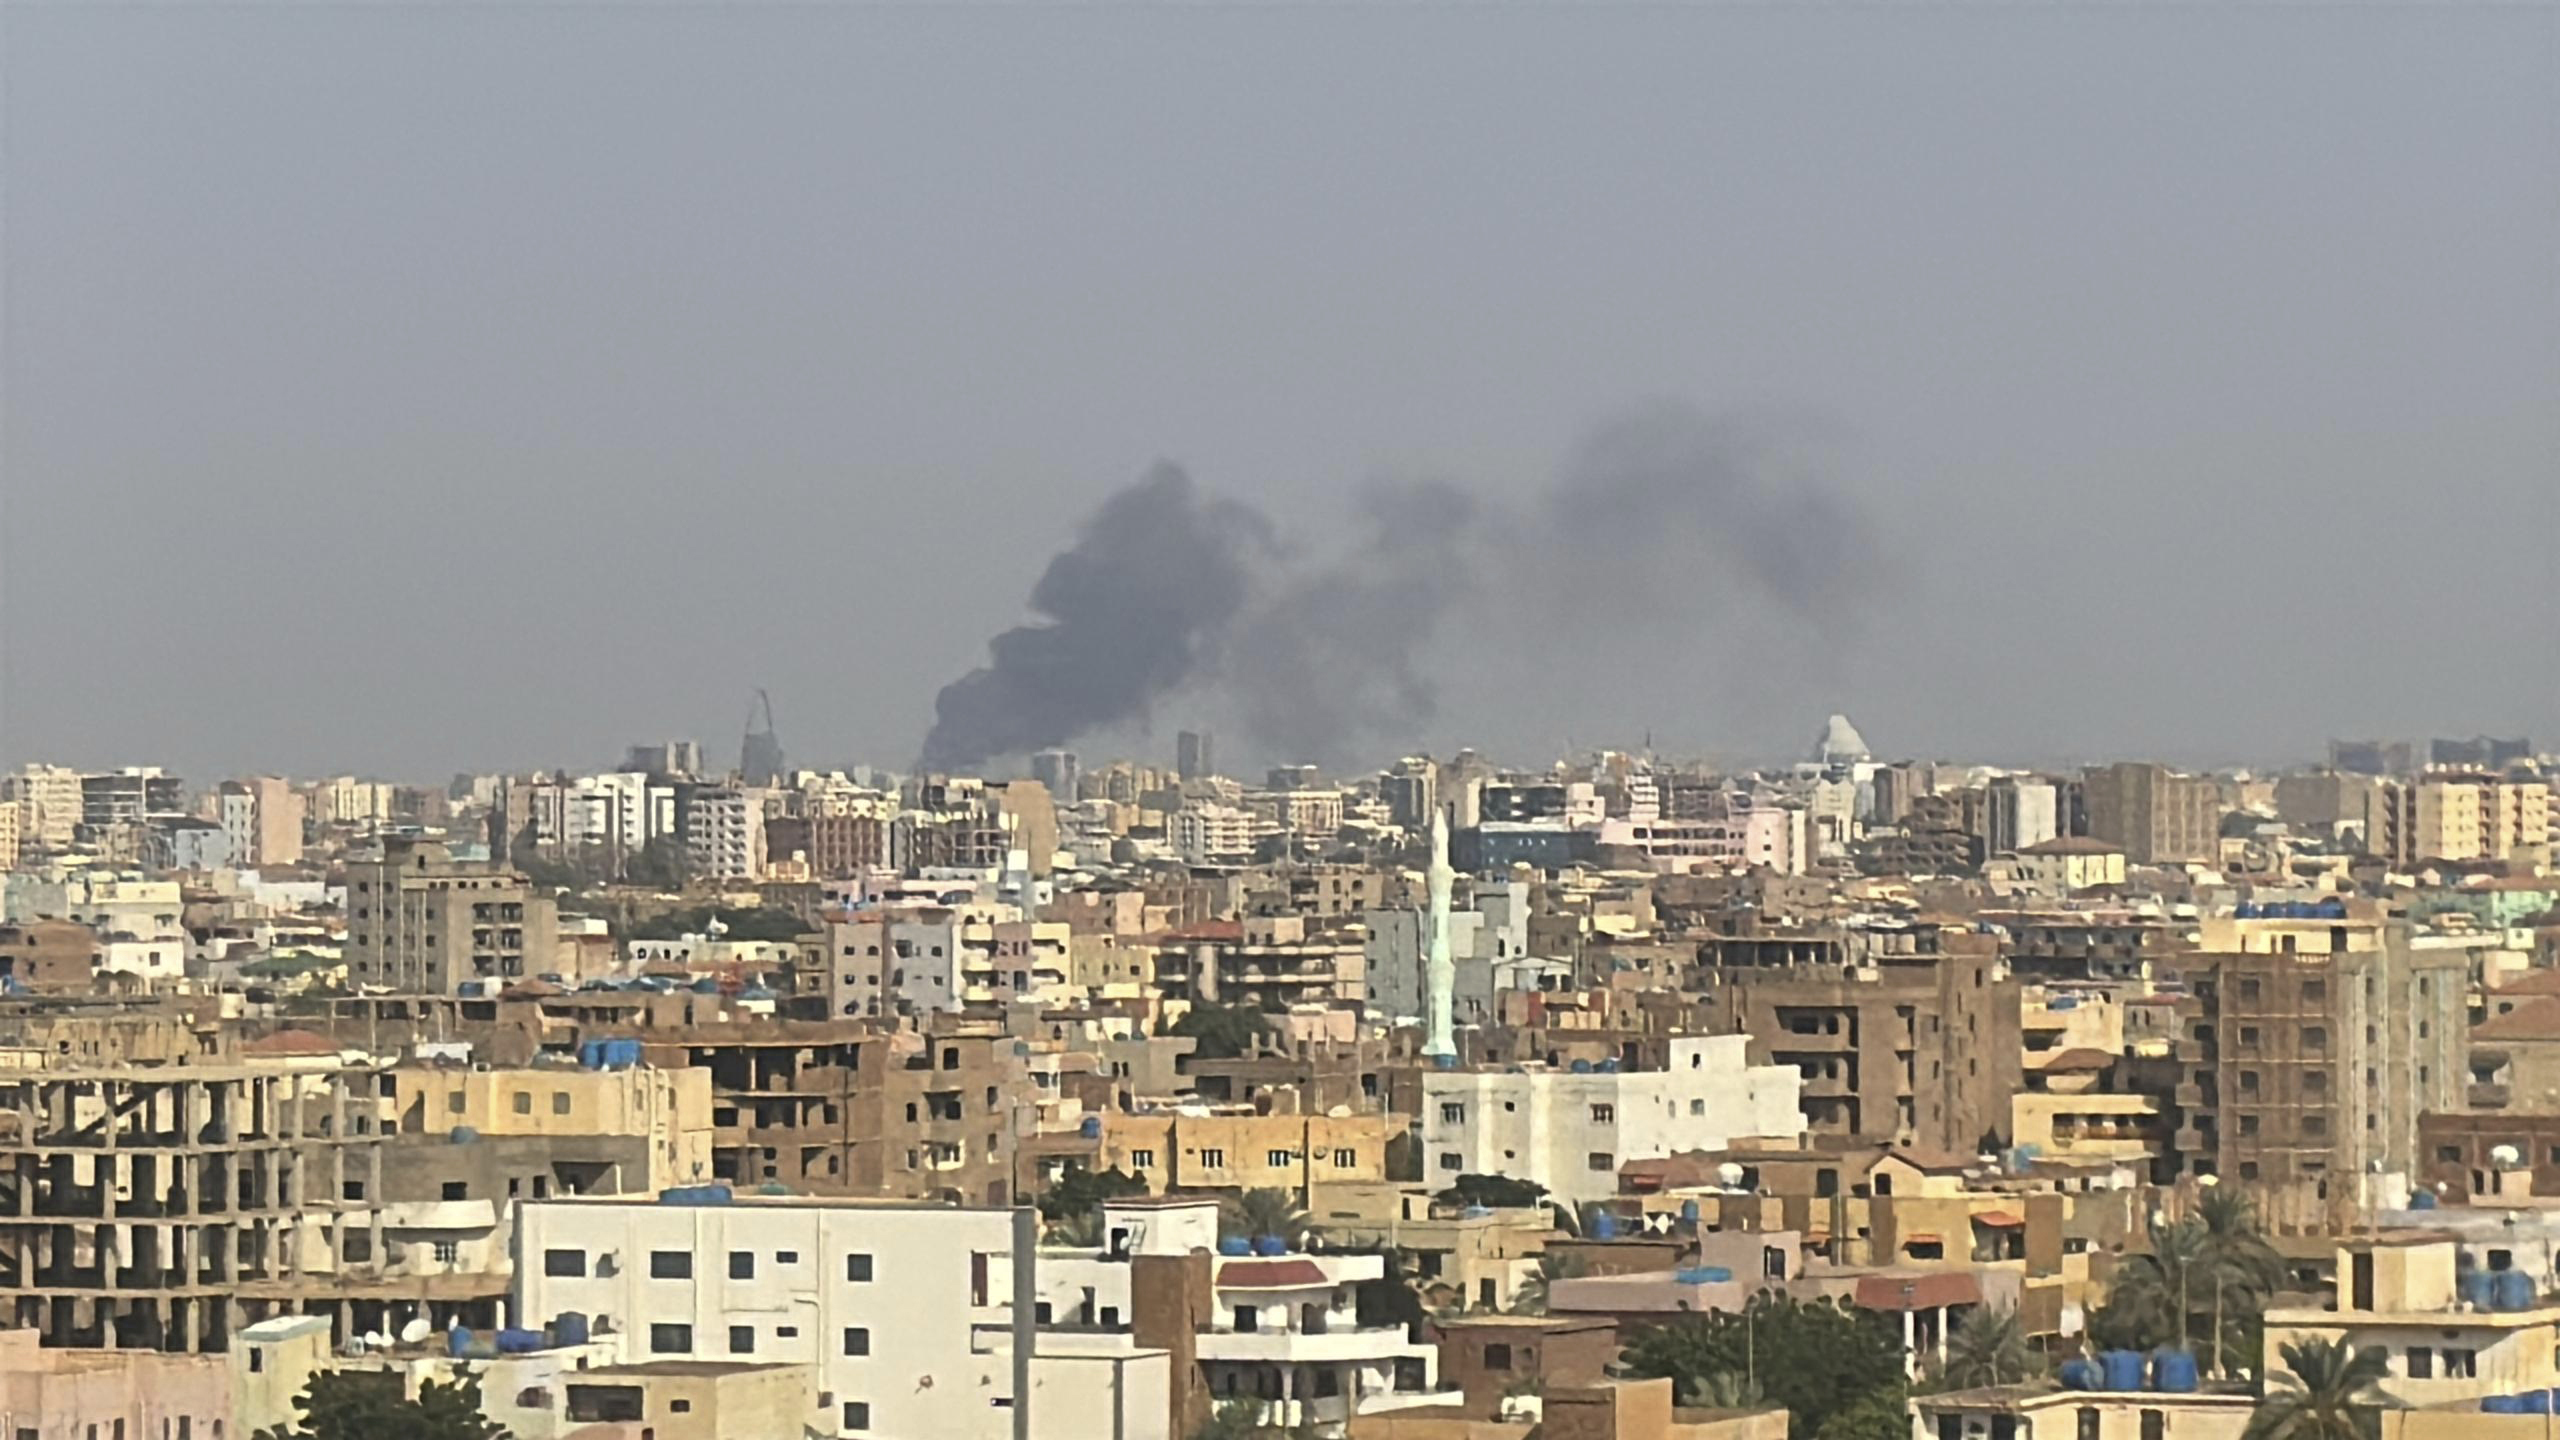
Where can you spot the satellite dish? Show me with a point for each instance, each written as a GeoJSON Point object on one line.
{"type": "Point", "coordinates": [2506, 1157]}
{"type": "Point", "coordinates": [1730, 1174]}
{"type": "Point", "coordinates": [378, 1340]}
{"type": "Point", "coordinates": [416, 1330]}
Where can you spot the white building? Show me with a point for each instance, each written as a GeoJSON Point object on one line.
{"type": "Point", "coordinates": [1570, 1131]}
{"type": "Point", "coordinates": [50, 799]}
{"type": "Point", "coordinates": [2023, 813]}
{"type": "Point", "coordinates": [724, 833]}
{"type": "Point", "coordinates": [1282, 1328]}
{"type": "Point", "coordinates": [1214, 835]}
{"type": "Point", "coordinates": [903, 1312]}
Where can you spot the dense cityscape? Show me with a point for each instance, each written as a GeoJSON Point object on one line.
{"type": "Point", "coordinates": [1841, 1098]}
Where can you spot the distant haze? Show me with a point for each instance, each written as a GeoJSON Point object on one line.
{"type": "Point", "coordinates": [414, 389]}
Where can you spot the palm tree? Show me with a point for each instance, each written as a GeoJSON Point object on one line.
{"type": "Point", "coordinates": [2330, 1395]}
{"type": "Point", "coordinates": [2161, 1285]}
{"type": "Point", "coordinates": [1990, 1347]}
{"type": "Point", "coordinates": [1531, 1297]}
{"type": "Point", "coordinates": [1266, 1212]}
{"type": "Point", "coordinates": [2244, 1268]}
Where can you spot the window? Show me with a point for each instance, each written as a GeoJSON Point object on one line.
{"type": "Point", "coordinates": [1601, 1162]}
{"type": "Point", "coordinates": [2315, 1125]}
{"type": "Point", "coordinates": [670, 1264]}
{"type": "Point", "coordinates": [1345, 1159]}
{"type": "Point", "coordinates": [2462, 1364]}
{"type": "Point", "coordinates": [1248, 1319]}
{"type": "Point", "coordinates": [857, 1415]}
{"type": "Point", "coordinates": [2315, 992]}
{"type": "Point", "coordinates": [786, 1257]}
{"type": "Point", "coordinates": [2249, 988]}
{"type": "Point", "coordinates": [257, 1364]}
{"type": "Point", "coordinates": [564, 1264]}
{"type": "Point", "coordinates": [1497, 1357]}
{"type": "Point", "coordinates": [453, 1102]}
{"type": "Point", "coordinates": [522, 1102]}
{"type": "Point", "coordinates": [1279, 1159]}
{"type": "Point", "coordinates": [2249, 1082]}
{"type": "Point", "coordinates": [2452, 1154]}
{"type": "Point", "coordinates": [559, 1102]}
{"type": "Point", "coordinates": [679, 1407]}
{"type": "Point", "coordinates": [2422, 1363]}
{"type": "Point", "coordinates": [1453, 1114]}
{"type": "Point", "coordinates": [1213, 1157]}
{"type": "Point", "coordinates": [2088, 1420]}
{"type": "Point", "coordinates": [670, 1339]}
{"type": "Point", "coordinates": [2248, 1124]}
{"type": "Point", "coordinates": [742, 1339]}
{"type": "Point", "coordinates": [2315, 1037]}
{"type": "Point", "coordinates": [857, 1269]}
{"type": "Point", "coordinates": [1604, 1115]}
{"type": "Point", "coordinates": [2155, 1425]}
{"type": "Point", "coordinates": [1142, 1159]}
{"type": "Point", "coordinates": [742, 1264]}
{"type": "Point", "coordinates": [2249, 1035]}
{"type": "Point", "coordinates": [448, 1252]}
{"type": "Point", "coordinates": [1451, 1160]}
{"type": "Point", "coordinates": [857, 1341]}
{"type": "Point", "coordinates": [457, 1190]}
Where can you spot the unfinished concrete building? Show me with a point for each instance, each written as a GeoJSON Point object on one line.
{"type": "Point", "coordinates": [164, 1207]}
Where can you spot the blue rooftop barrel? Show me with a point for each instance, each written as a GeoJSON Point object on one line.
{"type": "Point", "coordinates": [2080, 1373]}
{"type": "Point", "coordinates": [2479, 1287]}
{"type": "Point", "coordinates": [2122, 1369]}
{"type": "Point", "coordinates": [2502, 1404]}
{"type": "Point", "coordinates": [569, 1327]}
{"type": "Point", "coordinates": [1270, 1245]}
{"type": "Point", "coordinates": [457, 1342]}
{"type": "Point", "coordinates": [2174, 1371]}
{"type": "Point", "coordinates": [2514, 1290]}
{"type": "Point", "coordinates": [1234, 1245]}
{"type": "Point", "coordinates": [519, 1342]}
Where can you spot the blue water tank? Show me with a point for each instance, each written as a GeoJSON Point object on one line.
{"type": "Point", "coordinates": [1689, 1212]}
{"type": "Point", "coordinates": [1604, 1226]}
{"type": "Point", "coordinates": [591, 1054]}
{"type": "Point", "coordinates": [457, 1342]}
{"type": "Point", "coordinates": [695, 1195]}
{"type": "Point", "coordinates": [2422, 1200]}
{"type": "Point", "coordinates": [1609, 1066]}
{"type": "Point", "coordinates": [464, 1135]}
{"type": "Point", "coordinates": [2173, 1371]}
{"type": "Point", "coordinates": [2502, 1404]}
{"type": "Point", "coordinates": [2515, 1290]}
{"type": "Point", "coordinates": [2534, 1402]}
{"type": "Point", "coordinates": [1580, 1067]}
{"type": "Point", "coordinates": [2080, 1373]}
{"type": "Point", "coordinates": [1233, 1245]}
{"type": "Point", "coordinates": [2121, 1369]}
{"type": "Point", "coordinates": [1703, 1275]}
{"type": "Point", "coordinates": [569, 1327]}
{"type": "Point", "coordinates": [512, 1341]}
{"type": "Point", "coordinates": [2479, 1288]}
{"type": "Point", "coordinates": [2063, 1002]}
{"type": "Point", "coordinates": [1270, 1245]}
{"type": "Point", "coordinates": [1090, 1127]}
{"type": "Point", "coordinates": [627, 1053]}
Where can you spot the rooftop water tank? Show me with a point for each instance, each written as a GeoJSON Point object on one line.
{"type": "Point", "coordinates": [1090, 1127]}
{"type": "Point", "coordinates": [1604, 1226]}
{"type": "Point", "coordinates": [2121, 1369]}
{"type": "Point", "coordinates": [1270, 1245]}
{"type": "Point", "coordinates": [569, 1327]}
{"type": "Point", "coordinates": [2514, 1290]}
{"type": "Point", "coordinates": [2080, 1373]}
{"type": "Point", "coordinates": [2479, 1288]}
{"type": "Point", "coordinates": [519, 1342]}
{"type": "Point", "coordinates": [1233, 1245]}
{"type": "Point", "coordinates": [2174, 1371]}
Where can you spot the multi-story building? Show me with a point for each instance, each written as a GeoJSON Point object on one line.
{"type": "Point", "coordinates": [904, 1313]}
{"type": "Point", "coordinates": [2020, 813]}
{"type": "Point", "coordinates": [723, 830]}
{"type": "Point", "coordinates": [1570, 1130]}
{"type": "Point", "coordinates": [1213, 834]}
{"type": "Point", "coordinates": [2313, 1045]}
{"type": "Point", "coordinates": [2159, 816]}
{"type": "Point", "coordinates": [2464, 816]}
{"type": "Point", "coordinates": [1903, 1034]}
{"type": "Point", "coordinates": [420, 921]}
{"type": "Point", "coordinates": [846, 844]}
{"type": "Point", "coordinates": [263, 817]}
{"type": "Point", "coordinates": [1263, 962]}
{"type": "Point", "coordinates": [1486, 933]}
{"type": "Point", "coordinates": [1195, 755]}
{"type": "Point", "coordinates": [1171, 1150]}
{"type": "Point", "coordinates": [49, 797]}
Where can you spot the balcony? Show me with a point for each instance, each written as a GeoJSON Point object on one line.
{"type": "Point", "coordinates": [1293, 1347]}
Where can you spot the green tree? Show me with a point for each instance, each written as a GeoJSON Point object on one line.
{"type": "Point", "coordinates": [1256, 1213]}
{"type": "Point", "coordinates": [1990, 1347]}
{"type": "Point", "coordinates": [1731, 1390]}
{"type": "Point", "coordinates": [347, 1405]}
{"type": "Point", "coordinates": [2152, 1301]}
{"type": "Point", "coordinates": [660, 865]}
{"type": "Point", "coordinates": [1819, 1359]}
{"type": "Point", "coordinates": [1876, 1415]}
{"type": "Point", "coordinates": [2208, 1276]}
{"type": "Point", "coordinates": [2331, 1394]}
{"type": "Point", "coordinates": [1532, 1298]}
{"type": "Point", "coordinates": [1221, 1032]}
{"type": "Point", "coordinates": [2246, 1272]}
{"type": "Point", "coordinates": [1494, 1192]}
{"type": "Point", "coordinates": [1080, 1192]}
{"type": "Point", "coordinates": [1235, 1419]}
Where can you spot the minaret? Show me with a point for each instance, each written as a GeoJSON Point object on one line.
{"type": "Point", "coordinates": [1439, 973]}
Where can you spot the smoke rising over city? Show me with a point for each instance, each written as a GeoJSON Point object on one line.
{"type": "Point", "coordinates": [1660, 511]}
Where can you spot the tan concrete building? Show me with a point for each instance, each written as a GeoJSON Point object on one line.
{"type": "Point", "coordinates": [422, 922]}
{"type": "Point", "coordinates": [1296, 1153]}
{"type": "Point", "coordinates": [2465, 816]}
{"type": "Point", "coordinates": [2159, 816]}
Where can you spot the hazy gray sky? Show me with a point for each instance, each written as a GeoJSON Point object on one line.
{"type": "Point", "coordinates": [414, 389]}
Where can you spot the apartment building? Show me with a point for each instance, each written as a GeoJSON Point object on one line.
{"type": "Point", "coordinates": [2159, 816]}
{"type": "Point", "coordinates": [2464, 815]}
{"type": "Point", "coordinates": [1213, 834]}
{"type": "Point", "coordinates": [903, 1313]}
{"type": "Point", "coordinates": [723, 830]}
{"type": "Point", "coordinates": [263, 817]}
{"type": "Point", "coordinates": [48, 799]}
{"type": "Point", "coordinates": [1902, 1034]}
{"type": "Point", "coordinates": [1173, 1150]}
{"type": "Point", "coordinates": [422, 922]}
{"type": "Point", "coordinates": [2313, 1044]}
{"type": "Point", "coordinates": [1264, 962]}
{"type": "Point", "coordinates": [1570, 1130]}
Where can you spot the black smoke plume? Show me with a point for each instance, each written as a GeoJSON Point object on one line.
{"type": "Point", "coordinates": [1143, 598]}
{"type": "Point", "coordinates": [1657, 513]}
